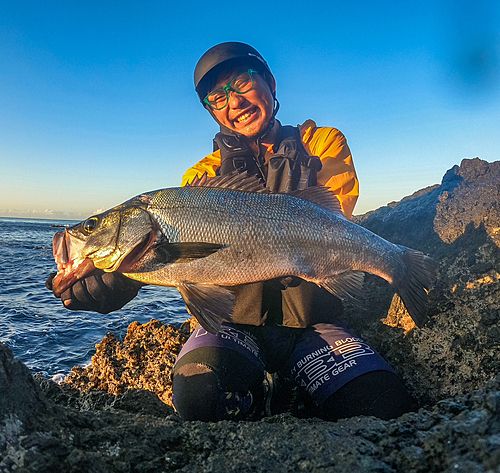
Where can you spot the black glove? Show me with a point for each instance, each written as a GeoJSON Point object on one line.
{"type": "Point", "coordinates": [102, 292]}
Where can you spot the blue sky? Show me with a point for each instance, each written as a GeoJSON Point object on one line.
{"type": "Point", "coordinates": [97, 102]}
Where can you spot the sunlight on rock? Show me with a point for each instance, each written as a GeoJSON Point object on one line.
{"type": "Point", "coordinates": [143, 360]}
{"type": "Point", "coordinates": [488, 279]}
{"type": "Point", "coordinates": [398, 316]}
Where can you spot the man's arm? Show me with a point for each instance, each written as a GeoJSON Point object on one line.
{"type": "Point", "coordinates": [338, 172]}
{"type": "Point", "coordinates": [208, 165]}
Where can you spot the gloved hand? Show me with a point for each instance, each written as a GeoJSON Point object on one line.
{"type": "Point", "coordinates": [101, 292]}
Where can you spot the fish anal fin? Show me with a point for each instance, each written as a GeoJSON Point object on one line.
{"type": "Point", "coordinates": [241, 181]}
{"type": "Point", "coordinates": [211, 305]}
{"type": "Point", "coordinates": [347, 285]}
{"type": "Point", "coordinates": [320, 195]}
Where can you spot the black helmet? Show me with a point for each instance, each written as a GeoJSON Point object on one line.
{"type": "Point", "coordinates": [221, 53]}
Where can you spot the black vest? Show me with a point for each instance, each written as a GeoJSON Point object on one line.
{"type": "Point", "coordinates": [300, 304]}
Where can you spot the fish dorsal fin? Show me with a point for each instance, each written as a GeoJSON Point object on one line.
{"type": "Point", "coordinates": [321, 196]}
{"type": "Point", "coordinates": [241, 181]}
{"type": "Point", "coordinates": [198, 181]}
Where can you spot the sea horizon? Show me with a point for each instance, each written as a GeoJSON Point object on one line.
{"type": "Point", "coordinates": [38, 219]}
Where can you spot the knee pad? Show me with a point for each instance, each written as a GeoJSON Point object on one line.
{"type": "Point", "coordinates": [212, 384]}
{"type": "Point", "coordinates": [380, 394]}
{"type": "Point", "coordinates": [196, 392]}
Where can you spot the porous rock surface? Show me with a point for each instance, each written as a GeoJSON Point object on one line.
{"type": "Point", "coordinates": [110, 416]}
{"type": "Point", "coordinates": [142, 360]}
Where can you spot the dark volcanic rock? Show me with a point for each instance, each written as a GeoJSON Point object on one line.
{"type": "Point", "coordinates": [458, 224]}
{"type": "Point", "coordinates": [431, 218]}
{"type": "Point", "coordinates": [459, 434]}
{"type": "Point", "coordinates": [21, 399]}
{"type": "Point", "coordinates": [108, 417]}
{"type": "Point", "coordinates": [475, 202]}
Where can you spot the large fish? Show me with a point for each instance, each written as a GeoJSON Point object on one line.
{"type": "Point", "coordinates": [230, 230]}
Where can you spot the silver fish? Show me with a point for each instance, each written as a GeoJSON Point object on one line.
{"type": "Point", "coordinates": [226, 231]}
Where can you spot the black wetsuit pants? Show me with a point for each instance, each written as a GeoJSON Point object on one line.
{"type": "Point", "coordinates": [321, 371]}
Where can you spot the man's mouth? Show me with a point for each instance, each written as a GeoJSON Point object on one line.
{"type": "Point", "coordinates": [246, 116]}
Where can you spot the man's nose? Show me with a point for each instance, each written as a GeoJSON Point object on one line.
{"type": "Point", "coordinates": [235, 99]}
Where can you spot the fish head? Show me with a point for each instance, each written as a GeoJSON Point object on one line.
{"type": "Point", "coordinates": [119, 236]}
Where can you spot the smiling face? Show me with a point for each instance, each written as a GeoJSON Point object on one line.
{"type": "Point", "coordinates": [247, 114]}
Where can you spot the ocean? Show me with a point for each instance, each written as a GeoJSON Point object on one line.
{"type": "Point", "coordinates": [34, 324]}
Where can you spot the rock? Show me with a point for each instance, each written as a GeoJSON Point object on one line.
{"type": "Point", "coordinates": [474, 202]}
{"type": "Point", "coordinates": [143, 361]}
{"type": "Point", "coordinates": [456, 223]}
{"type": "Point", "coordinates": [21, 399]}
{"type": "Point", "coordinates": [113, 415]}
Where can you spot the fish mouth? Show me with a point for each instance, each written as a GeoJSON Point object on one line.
{"type": "Point", "coordinates": [72, 273]}
{"type": "Point", "coordinates": [72, 269]}
{"type": "Point", "coordinates": [69, 270]}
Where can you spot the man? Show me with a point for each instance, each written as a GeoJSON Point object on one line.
{"type": "Point", "coordinates": [285, 327]}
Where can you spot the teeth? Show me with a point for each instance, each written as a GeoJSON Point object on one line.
{"type": "Point", "coordinates": [244, 117]}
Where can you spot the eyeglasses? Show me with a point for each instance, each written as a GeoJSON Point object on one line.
{"type": "Point", "coordinates": [218, 99]}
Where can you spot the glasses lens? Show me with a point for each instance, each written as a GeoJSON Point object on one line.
{"type": "Point", "coordinates": [242, 83]}
{"type": "Point", "coordinates": [217, 99]}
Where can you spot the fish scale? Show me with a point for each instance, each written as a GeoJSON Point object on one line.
{"type": "Point", "coordinates": [266, 235]}
{"type": "Point", "coordinates": [220, 234]}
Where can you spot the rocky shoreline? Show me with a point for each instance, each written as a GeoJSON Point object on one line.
{"type": "Point", "coordinates": [115, 414]}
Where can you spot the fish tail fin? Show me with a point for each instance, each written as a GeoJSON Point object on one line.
{"type": "Point", "coordinates": [413, 286]}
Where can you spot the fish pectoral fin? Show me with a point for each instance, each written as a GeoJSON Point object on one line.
{"type": "Point", "coordinates": [167, 252]}
{"type": "Point", "coordinates": [345, 285]}
{"type": "Point", "coordinates": [211, 305]}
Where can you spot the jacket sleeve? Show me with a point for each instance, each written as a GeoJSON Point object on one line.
{"type": "Point", "coordinates": [338, 172]}
{"type": "Point", "coordinates": [209, 164]}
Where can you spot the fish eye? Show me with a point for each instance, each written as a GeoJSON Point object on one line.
{"type": "Point", "coordinates": [90, 224]}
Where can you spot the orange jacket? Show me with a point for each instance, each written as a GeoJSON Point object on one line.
{"type": "Point", "coordinates": [328, 144]}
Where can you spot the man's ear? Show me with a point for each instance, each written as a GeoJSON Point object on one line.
{"type": "Point", "coordinates": [272, 85]}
